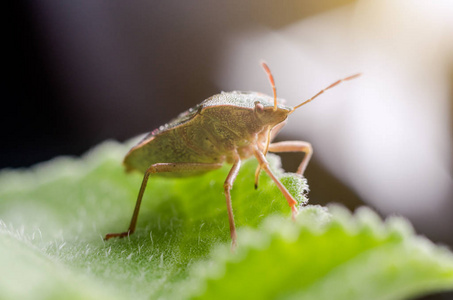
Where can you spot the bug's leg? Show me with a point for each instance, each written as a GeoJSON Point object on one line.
{"type": "Point", "coordinates": [265, 166]}
{"type": "Point", "coordinates": [266, 148]}
{"type": "Point", "coordinates": [160, 168]}
{"type": "Point", "coordinates": [294, 146]}
{"type": "Point", "coordinates": [227, 187]}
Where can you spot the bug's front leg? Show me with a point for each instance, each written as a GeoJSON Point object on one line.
{"type": "Point", "coordinates": [265, 166]}
{"type": "Point", "coordinates": [160, 168]}
{"type": "Point", "coordinates": [294, 146]}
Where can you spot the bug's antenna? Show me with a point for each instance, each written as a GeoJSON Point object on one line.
{"type": "Point", "coordinates": [327, 88]}
{"type": "Point", "coordinates": [271, 79]}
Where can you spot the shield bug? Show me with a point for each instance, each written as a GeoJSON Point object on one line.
{"type": "Point", "coordinates": [225, 128]}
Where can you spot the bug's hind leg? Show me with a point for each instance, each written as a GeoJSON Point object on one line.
{"type": "Point", "coordinates": [160, 168]}
{"type": "Point", "coordinates": [294, 146]}
{"type": "Point", "coordinates": [227, 187]}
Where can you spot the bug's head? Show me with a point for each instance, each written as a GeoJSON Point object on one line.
{"type": "Point", "coordinates": [268, 115]}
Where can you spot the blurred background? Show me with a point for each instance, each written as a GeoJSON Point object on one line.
{"type": "Point", "coordinates": [81, 72]}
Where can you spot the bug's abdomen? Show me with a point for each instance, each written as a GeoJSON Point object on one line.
{"type": "Point", "coordinates": [173, 146]}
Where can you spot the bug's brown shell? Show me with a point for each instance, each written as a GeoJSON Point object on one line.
{"type": "Point", "coordinates": [206, 133]}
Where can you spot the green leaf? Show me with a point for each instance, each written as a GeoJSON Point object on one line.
{"type": "Point", "coordinates": [29, 274]}
{"type": "Point", "coordinates": [53, 218]}
{"type": "Point", "coordinates": [326, 256]}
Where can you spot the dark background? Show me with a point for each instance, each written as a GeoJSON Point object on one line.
{"type": "Point", "coordinates": [80, 73]}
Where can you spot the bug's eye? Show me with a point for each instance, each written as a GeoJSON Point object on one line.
{"type": "Point", "coordinates": [259, 108]}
